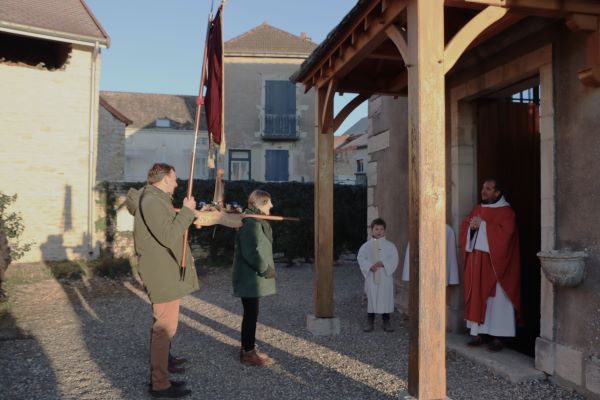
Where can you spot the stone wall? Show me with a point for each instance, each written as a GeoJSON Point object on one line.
{"type": "Point", "coordinates": [244, 102]}
{"type": "Point", "coordinates": [577, 310]}
{"type": "Point", "coordinates": [111, 147]}
{"type": "Point", "coordinates": [45, 153]}
{"type": "Point", "coordinates": [387, 177]}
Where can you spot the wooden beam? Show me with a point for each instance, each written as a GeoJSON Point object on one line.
{"type": "Point", "coordinates": [347, 110]}
{"type": "Point", "coordinates": [363, 43]}
{"type": "Point", "coordinates": [468, 33]}
{"type": "Point", "coordinates": [385, 56]}
{"type": "Point", "coordinates": [560, 6]}
{"type": "Point", "coordinates": [396, 36]}
{"type": "Point", "coordinates": [590, 76]}
{"type": "Point", "coordinates": [427, 199]}
{"type": "Point", "coordinates": [323, 274]}
{"type": "Point", "coordinates": [585, 23]}
{"type": "Point", "coordinates": [327, 105]}
{"type": "Point", "coordinates": [384, 85]}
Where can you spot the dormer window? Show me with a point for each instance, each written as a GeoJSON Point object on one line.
{"type": "Point", "coordinates": [163, 123]}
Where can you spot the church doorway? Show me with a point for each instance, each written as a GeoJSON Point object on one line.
{"type": "Point", "coordinates": [508, 148]}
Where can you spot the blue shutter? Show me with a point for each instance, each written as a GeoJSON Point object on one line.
{"type": "Point", "coordinates": [280, 108]}
{"type": "Point", "coordinates": [277, 165]}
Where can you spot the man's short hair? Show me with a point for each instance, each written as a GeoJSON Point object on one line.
{"type": "Point", "coordinates": [378, 221]}
{"type": "Point", "coordinates": [258, 198]}
{"type": "Point", "coordinates": [158, 171]}
{"type": "Point", "coordinates": [497, 184]}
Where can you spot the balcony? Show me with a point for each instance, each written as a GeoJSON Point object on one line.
{"type": "Point", "coordinates": [361, 178]}
{"type": "Point", "coordinates": [280, 127]}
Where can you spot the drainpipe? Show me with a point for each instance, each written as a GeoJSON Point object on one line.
{"type": "Point", "coordinates": [90, 221]}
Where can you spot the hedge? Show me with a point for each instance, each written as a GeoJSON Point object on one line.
{"type": "Point", "coordinates": [295, 240]}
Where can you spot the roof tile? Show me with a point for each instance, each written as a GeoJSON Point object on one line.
{"type": "Point", "coordinates": [64, 16]}
{"type": "Point", "coordinates": [143, 109]}
{"type": "Point", "coordinates": [266, 39]}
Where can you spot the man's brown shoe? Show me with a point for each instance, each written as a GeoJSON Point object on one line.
{"type": "Point", "coordinates": [254, 357]}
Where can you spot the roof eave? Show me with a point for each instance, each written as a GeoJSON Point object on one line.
{"type": "Point", "coordinates": [265, 54]}
{"type": "Point", "coordinates": [49, 34]}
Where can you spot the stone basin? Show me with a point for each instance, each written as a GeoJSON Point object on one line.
{"type": "Point", "coordinates": [563, 267]}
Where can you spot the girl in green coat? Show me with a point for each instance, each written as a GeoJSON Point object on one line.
{"type": "Point", "coordinates": [253, 272]}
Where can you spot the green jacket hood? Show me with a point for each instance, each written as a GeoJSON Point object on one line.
{"type": "Point", "coordinates": [133, 200]}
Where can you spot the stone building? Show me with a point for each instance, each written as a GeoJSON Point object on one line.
{"type": "Point", "coordinates": [269, 121]}
{"type": "Point", "coordinates": [50, 69]}
{"type": "Point", "coordinates": [161, 129]}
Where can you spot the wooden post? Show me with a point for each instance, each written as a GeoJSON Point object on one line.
{"type": "Point", "coordinates": [323, 277]}
{"type": "Point", "coordinates": [427, 194]}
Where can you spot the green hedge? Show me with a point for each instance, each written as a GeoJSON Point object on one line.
{"type": "Point", "coordinates": [292, 199]}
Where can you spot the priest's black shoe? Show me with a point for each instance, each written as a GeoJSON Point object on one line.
{"type": "Point", "coordinates": [172, 392]}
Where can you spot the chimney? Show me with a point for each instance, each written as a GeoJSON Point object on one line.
{"type": "Point", "coordinates": [303, 35]}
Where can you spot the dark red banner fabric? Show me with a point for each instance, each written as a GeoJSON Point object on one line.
{"type": "Point", "coordinates": [214, 82]}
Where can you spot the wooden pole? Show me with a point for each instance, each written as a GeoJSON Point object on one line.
{"type": "Point", "coordinates": [323, 277]}
{"type": "Point", "coordinates": [193, 157]}
{"type": "Point", "coordinates": [427, 199]}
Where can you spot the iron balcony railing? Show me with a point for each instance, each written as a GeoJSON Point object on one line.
{"type": "Point", "coordinates": [280, 126]}
{"type": "Point", "coordinates": [361, 178]}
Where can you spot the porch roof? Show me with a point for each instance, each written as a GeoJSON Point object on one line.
{"type": "Point", "coordinates": [361, 54]}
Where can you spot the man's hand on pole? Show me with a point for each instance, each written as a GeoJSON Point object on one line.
{"type": "Point", "coordinates": [190, 203]}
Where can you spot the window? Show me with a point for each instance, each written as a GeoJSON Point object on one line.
{"type": "Point", "coordinates": [239, 165]}
{"type": "Point", "coordinates": [276, 165]}
{"type": "Point", "coordinates": [163, 123]}
{"type": "Point", "coordinates": [531, 95]}
{"type": "Point", "coordinates": [360, 166]}
{"type": "Point", "coordinates": [280, 110]}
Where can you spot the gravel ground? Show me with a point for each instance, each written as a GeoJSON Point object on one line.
{"type": "Point", "coordinates": [88, 340]}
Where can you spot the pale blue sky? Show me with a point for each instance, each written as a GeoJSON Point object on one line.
{"type": "Point", "coordinates": [157, 46]}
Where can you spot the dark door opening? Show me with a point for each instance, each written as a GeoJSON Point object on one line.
{"type": "Point", "coordinates": [508, 148]}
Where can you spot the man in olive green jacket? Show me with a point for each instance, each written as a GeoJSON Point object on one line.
{"type": "Point", "coordinates": [158, 234]}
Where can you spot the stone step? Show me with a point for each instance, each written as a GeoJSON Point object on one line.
{"type": "Point", "coordinates": [508, 364]}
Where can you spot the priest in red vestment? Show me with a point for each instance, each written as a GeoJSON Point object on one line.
{"type": "Point", "coordinates": [490, 242]}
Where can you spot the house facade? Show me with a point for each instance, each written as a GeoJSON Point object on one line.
{"type": "Point", "coordinates": [351, 154]}
{"type": "Point", "coordinates": [161, 129]}
{"type": "Point", "coordinates": [50, 69]}
{"type": "Point", "coordinates": [269, 121]}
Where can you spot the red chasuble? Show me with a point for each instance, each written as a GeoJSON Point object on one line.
{"type": "Point", "coordinates": [501, 264]}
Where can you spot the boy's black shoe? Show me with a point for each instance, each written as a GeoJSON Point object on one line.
{"type": "Point", "coordinates": [387, 326]}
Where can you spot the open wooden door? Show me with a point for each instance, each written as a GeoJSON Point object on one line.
{"type": "Point", "coordinates": [508, 148]}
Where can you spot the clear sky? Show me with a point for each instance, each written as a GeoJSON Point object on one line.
{"type": "Point", "coordinates": [157, 45]}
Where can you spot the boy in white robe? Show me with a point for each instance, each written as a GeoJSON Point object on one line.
{"type": "Point", "coordinates": [378, 259]}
